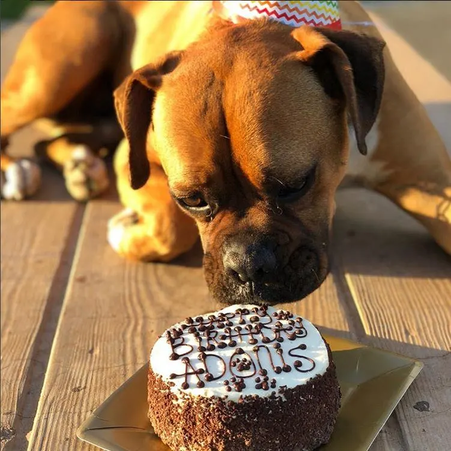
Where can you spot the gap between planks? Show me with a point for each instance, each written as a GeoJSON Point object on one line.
{"type": "Point", "coordinates": [28, 399]}
{"type": "Point", "coordinates": [112, 313]}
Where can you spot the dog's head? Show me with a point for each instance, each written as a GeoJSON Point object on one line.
{"type": "Point", "coordinates": [250, 126]}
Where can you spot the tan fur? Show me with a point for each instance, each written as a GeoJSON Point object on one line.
{"type": "Point", "coordinates": [162, 231]}
{"type": "Point", "coordinates": [236, 116]}
{"type": "Point", "coordinates": [222, 121]}
{"type": "Point", "coordinates": [6, 161]}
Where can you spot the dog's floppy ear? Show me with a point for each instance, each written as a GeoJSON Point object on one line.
{"type": "Point", "coordinates": [348, 65]}
{"type": "Point", "coordinates": [133, 100]}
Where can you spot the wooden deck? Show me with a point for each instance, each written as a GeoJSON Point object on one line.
{"type": "Point", "coordinates": [77, 320]}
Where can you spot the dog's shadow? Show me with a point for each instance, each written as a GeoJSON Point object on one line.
{"type": "Point", "coordinates": [191, 259]}
{"type": "Point", "coordinates": [373, 237]}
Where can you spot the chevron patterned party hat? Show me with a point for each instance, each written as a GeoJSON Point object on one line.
{"type": "Point", "coordinates": [295, 14]}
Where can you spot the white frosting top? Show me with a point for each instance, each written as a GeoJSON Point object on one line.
{"type": "Point", "coordinates": [238, 351]}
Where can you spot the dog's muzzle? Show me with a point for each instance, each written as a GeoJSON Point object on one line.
{"type": "Point", "coordinates": [263, 271]}
{"type": "Point", "coordinates": [253, 262]}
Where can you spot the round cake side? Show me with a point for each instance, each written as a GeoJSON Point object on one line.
{"type": "Point", "coordinates": [262, 403]}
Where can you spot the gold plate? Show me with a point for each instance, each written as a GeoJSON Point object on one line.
{"type": "Point", "coordinates": [372, 384]}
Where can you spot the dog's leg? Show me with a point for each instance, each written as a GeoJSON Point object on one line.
{"type": "Point", "coordinates": [423, 189]}
{"type": "Point", "coordinates": [152, 227]}
{"type": "Point", "coordinates": [19, 178]}
{"type": "Point", "coordinates": [60, 55]}
{"type": "Point", "coordinates": [407, 159]}
{"type": "Point", "coordinates": [78, 151]}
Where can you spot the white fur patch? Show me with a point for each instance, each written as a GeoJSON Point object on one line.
{"type": "Point", "coordinates": [22, 179]}
{"type": "Point", "coordinates": [82, 153]}
{"type": "Point", "coordinates": [364, 168]}
{"type": "Point", "coordinates": [85, 174]}
{"type": "Point", "coordinates": [117, 226]}
{"type": "Point", "coordinates": [114, 237]}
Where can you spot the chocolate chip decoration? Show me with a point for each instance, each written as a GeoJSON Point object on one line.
{"type": "Point", "coordinates": [266, 332]}
{"type": "Point", "coordinates": [240, 372]}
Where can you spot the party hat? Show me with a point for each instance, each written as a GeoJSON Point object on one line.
{"type": "Point", "coordinates": [295, 13]}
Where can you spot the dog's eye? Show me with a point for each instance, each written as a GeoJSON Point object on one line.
{"type": "Point", "coordinates": [195, 202]}
{"type": "Point", "coordinates": [290, 194]}
{"type": "Point", "coordinates": [198, 206]}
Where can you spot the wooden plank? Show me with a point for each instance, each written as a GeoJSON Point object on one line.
{"type": "Point", "coordinates": [390, 438]}
{"type": "Point", "coordinates": [399, 278]}
{"type": "Point", "coordinates": [400, 281]}
{"type": "Point", "coordinates": [327, 309]}
{"type": "Point", "coordinates": [408, 19]}
{"type": "Point", "coordinates": [424, 414]}
{"type": "Point", "coordinates": [332, 309]}
{"type": "Point", "coordinates": [62, 366]}
{"type": "Point", "coordinates": [36, 251]}
{"type": "Point", "coordinates": [431, 87]}
{"type": "Point", "coordinates": [38, 240]}
{"type": "Point", "coordinates": [113, 312]}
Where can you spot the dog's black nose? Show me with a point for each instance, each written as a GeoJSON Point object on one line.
{"type": "Point", "coordinates": [249, 262]}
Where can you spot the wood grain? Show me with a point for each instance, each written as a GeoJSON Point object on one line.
{"type": "Point", "coordinates": [326, 308]}
{"type": "Point", "coordinates": [38, 239]}
{"type": "Point", "coordinates": [36, 254]}
{"type": "Point", "coordinates": [401, 285]}
{"type": "Point", "coordinates": [432, 88]}
{"type": "Point", "coordinates": [424, 414]}
{"type": "Point", "coordinates": [113, 312]}
{"type": "Point", "coordinates": [390, 438]}
{"type": "Point", "coordinates": [332, 309]}
{"type": "Point", "coordinates": [399, 279]}
{"type": "Point", "coordinates": [390, 287]}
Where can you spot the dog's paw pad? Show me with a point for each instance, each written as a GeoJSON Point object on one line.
{"type": "Point", "coordinates": [21, 179]}
{"type": "Point", "coordinates": [85, 174]}
{"type": "Point", "coordinates": [118, 225]}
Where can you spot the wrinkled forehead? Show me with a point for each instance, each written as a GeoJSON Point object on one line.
{"type": "Point", "coordinates": [271, 117]}
{"type": "Point", "coordinates": [189, 124]}
{"type": "Point", "coordinates": [279, 119]}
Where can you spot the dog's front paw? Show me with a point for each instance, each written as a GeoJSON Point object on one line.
{"type": "Point", "coordinates": [149, 238]}
{"type": "Point", "coordinates": [20, 180]}
{"type": "Point", "coordinates": [118, 226]}
{"type": "Point", "coordinates": [85, 175]}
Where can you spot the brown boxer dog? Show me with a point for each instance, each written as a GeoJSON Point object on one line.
{"type": "Point", "coordinates": [238, 133]}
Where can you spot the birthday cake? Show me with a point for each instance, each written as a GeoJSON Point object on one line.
{"type": "Point", "coordinates": [246, 377]}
